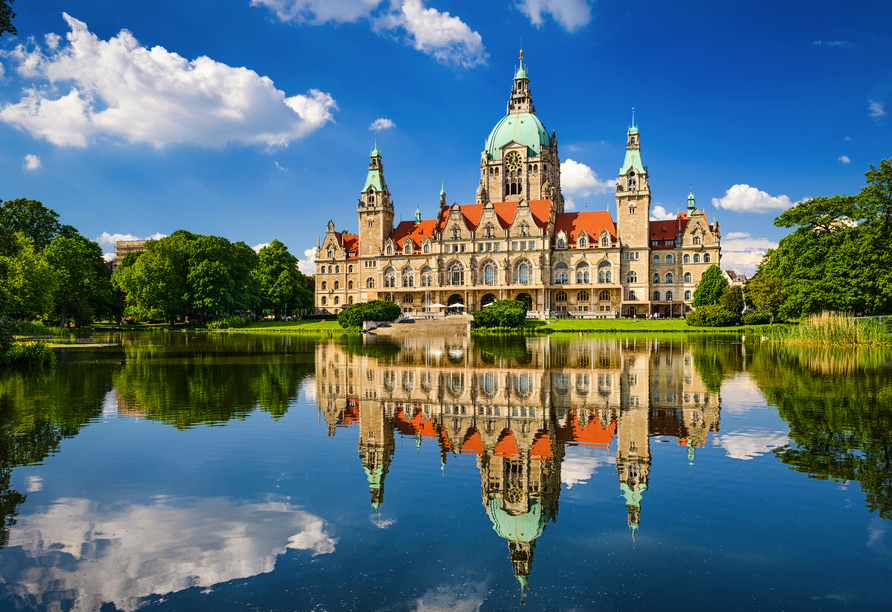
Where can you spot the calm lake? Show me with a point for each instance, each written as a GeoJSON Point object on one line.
{"type": "Point", "coordinates": [271, 472]}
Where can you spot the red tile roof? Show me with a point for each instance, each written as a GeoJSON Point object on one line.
{"type": "Point", "coordinates": [348, 242]}
{"type": "Point", "coordinates": [593, 222]}
{"type": "Point", "coordinates": [414, 232]}
{"type": "Point", "coordinates": [663, 231]}
{"type": "Point", "coordinates": [505, 212]}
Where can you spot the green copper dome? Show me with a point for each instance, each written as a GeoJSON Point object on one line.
{"type": "Point", "coordinates": [524, 528]}
{"type": "Point", "coordinates": [524, 128]}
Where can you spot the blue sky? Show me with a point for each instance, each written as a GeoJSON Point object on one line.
{"type": "Point", "coordinates": [253, 119]}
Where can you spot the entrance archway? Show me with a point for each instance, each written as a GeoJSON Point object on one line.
{"type": "Point", "coordinates": [489, 298]}
{"type": "Point", "coordinates": [454, 299]}
{"type": "Point", "coordinates": [526, 298]}
{"type": "Point", "coordinates": [632, 311]}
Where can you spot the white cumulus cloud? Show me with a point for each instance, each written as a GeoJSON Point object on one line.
{"type": "Point", "coordinates": [307, 265]}
{"type": "Point", "coordinates": [570, 14]}
{"type": "Point", "coordinates": [659, 213]}
{"type": "Point", "coordinates": [845, 159]}
{"type": "Point", "coordinates": [75, 549]}
{"type": "Point", "coordinates": [876, 109]}
{"type": "Point", "coordinates": [743, 253]}
{"type": "Point", "coordinates": [382, 124]}
{"type": "Point", "coordinates": [578, 180]}
{"type": "Point", "coordinates": [110, 240]}
{"type": "Point", "coordinates": [446, 38]}
{"type": "Point", "coordinates": [121, 89]}
{"type": "Point", "coordinates": [31, 162]}
{"type": "Point", "coordinates": [262, 245]}
{"type": "Point", "coordinates": [743, 198]}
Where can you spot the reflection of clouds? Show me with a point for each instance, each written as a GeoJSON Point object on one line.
{"type": "Point", "coordinates": [309, 387]}
{"type": "Point", "coordinates": [468, 597]}
{"type": "Point", "coordinates": [78, 551]}
{"type": "Point", "coordinates": [381, 523]}
{"type": "Point", "coordinates": [750, 443]}
{"type": "Point", "coordinates": [35, 483]}
{"type": "Point", "coordinates": [876, 539]}
{"type": "Point", "coordinates": [580, 464]}
{"type": "Point", "coordinates": [740, 394]}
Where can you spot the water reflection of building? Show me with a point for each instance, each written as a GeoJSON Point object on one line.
{"type": "Point", "coordinates": [517, 409]}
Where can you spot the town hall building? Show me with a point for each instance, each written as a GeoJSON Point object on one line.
{"type": "Point", "coordinates": [517, 242]}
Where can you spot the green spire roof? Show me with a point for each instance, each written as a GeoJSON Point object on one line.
{"type": "Point", "coordinates": [521, 71]}
{"type": "Point", "coordinates": [633, 160]}
{"type": "Point", "coordinates": [524, 128]}
{"type": "Point", "coordinates": [633, 129]}
{"type": "Point", "coordinates": [375, 151]}
{"type": "Point", "coordinates": [443, 188]}
{"type": "Point", "coordinates": [524, 528]}
{"type": "Point", "coordinates": [375, 179]}
{"type": "Point", "coordinates": [692, 203]}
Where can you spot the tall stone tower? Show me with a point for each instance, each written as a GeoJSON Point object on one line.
{"type": "Point", "coordinates": [520, 159]}
{"type": "Point", "coordinates": [374, 209]}
{"type": "Point", "coordinates": [633, 219]}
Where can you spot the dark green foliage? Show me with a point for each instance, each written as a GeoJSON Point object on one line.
{"type": "Point", "coordinates": [6, 17]}
{"type": "Point", "coordinates": [280, 283]}
{"type": "Point", "coordinates": [30, 355]}
{"type": "Point", "coordinates": [31, 218]}
{"type": "Point", "coordinates": [732, 299]}
{"type": "Point", "coordinates": [839, 257]}
{"type": "Point", "coordinates": [84, 290]}
{"type": "Point", "coordinates": [755, 318]}
{"type": "Point", "coordinates": [230, 322]}
{"type": "Point", "coordinates": [374, 310]}
{"type": "Point", "coordinates": [711, 315]}
{"type": "Point", "coordinates": [502, 313]}
{"type": "Point", "coordinates": [766, 293]}
{"type": "Point", "coordinates": [710, 288]}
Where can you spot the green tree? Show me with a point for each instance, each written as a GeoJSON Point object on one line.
{"type": "Point", "coordinates": [6, 17]}
{"type": "Point", "coordinates": [280, 282]}
{"type": "Point", "coordinates": [84, 290]}
{"type": "Point", "coordinates": [31, 280]}
{"type": "Point", "coordinates": [766, 293]}
{"type": "Point", "coordinates": [732, 299]}
{"type": "Point", "coordinates": [709, 289]}
{"type": "Point", "coordinates": [31, 218]}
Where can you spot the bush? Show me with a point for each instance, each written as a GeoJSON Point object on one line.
{"type": "Point", "coordinates": [30, 355]}
{"type": "Point", "coordinates": [755, 318]}
{"type": "Point", "coordinates": [375, 310]}
{"type": "Point", "coordinates": [711, 315]}
{"type": "Point", "coordinates": [502, 313]}
{"type": "Point", "coordinates": [229, 322]}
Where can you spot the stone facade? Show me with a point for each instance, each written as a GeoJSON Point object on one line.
{"type": "Point", "coordinates": [516, 241]}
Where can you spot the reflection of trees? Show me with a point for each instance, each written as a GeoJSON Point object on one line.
{"type": "Point", "coordinates": [715, 360]}
{"type": "Point", "coordinates": [36, 413]}
{"type": "Point", "coordinates": [838, 405]}
{"type": "Point", "coordinates": [191, 380]}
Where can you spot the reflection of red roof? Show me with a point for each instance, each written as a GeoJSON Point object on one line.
{"type": "Point", "coordinates": [541, 448]}
{"type": "Point", "coordinates": [666, 231]}
{"type": "Point", "coordinates": [592, 434]}
{"type": "Point", "coordinates": [506, 446]}
{"type": "Point", "coordinates": [592, 221]}
{"type": "Point", "coordinates": [415, 232]}
{"type": "Point", "coordinates": [351, 414]}
{"type": "Point", "coordinates": [411, 422]}
{"type": "Point", "coordinates": [473, 443]}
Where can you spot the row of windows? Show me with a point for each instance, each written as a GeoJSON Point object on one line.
{"type": "Point", "coordinates": [656, 296]}
{"type": "Point", "coordinates": [337, 301]}
{"type": "Point", "coordinates": [582, 296]}
{"type": "Point", "coordinates": [583, 243]}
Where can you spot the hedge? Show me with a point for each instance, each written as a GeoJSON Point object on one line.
{"type": "Point", "coordinates": [374, 310]}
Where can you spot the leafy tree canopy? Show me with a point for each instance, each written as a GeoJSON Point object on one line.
{"type": "Point", "coordinates": [280, 282]}
{"type": "Point", "coordinates": [709, 289]}
{"type": "Point", "coordinates": [32, 281]}
{"type": "Point", "coordinates": [33, 219]}
{"type": "Point", "coordinates": [6, 17]}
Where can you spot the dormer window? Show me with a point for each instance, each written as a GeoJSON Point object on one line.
{"type": "Point", "coordinates": [605, 242]}
{"type": "Point", "coordinates": [389, 250]}
{"type": "Point", "coordinates": [696, 239]}
{"type": "Point", "coordinates": [583, 242]}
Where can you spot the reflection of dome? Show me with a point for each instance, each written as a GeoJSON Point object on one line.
{"type": "Point", "coordinates": [524, 528]}
{"type": "Point", "coordinates": [524, 128]}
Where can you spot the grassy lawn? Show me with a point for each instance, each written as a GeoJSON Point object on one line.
{"type": "Point", "coordinates": [327, 326]}
{"type": "Point", "coordinates": [630, 325]}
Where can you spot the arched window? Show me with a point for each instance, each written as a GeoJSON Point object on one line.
{"type": "Point", "coordinates": [656, 278]}
{"type": "Point", "coordinates": [669, 277]}
{"type": "Point", "coordinates": [687, 258]}
{"type": "Point", "coordinates": [337, 269]}
{"type": "Point", "coordinates": [696, 239]}
{"type": "Point", "coordinates": [668, 296]}
{"type": "Point", "coordinates": [324, 285]}
{"type": "Point", "coordinates": [323, 301]}
{"type": "Point", "coordinates": [407, 298]}
{"type": "Point", "coordinates": [389, 250]}
{"type": "Point", "coordinates": [427, 248]}
{"type": "Point", "coordinates": [350, 300]}
{"type": "Point", "coordinates": [583, 242]}
{"type": "Point", "coordinates": [488, 231]}
{"type": "Point", "coordinates": [329, 269]}
{"type": "Point", "coordinates": [582, 273]}
{"type": "Point", "coordinates": [407, 247]}
{"type": "Point", "coordinates": [337, 284]}
{"type": "Point", "coordinates": [350, 269]}
{"type": "Point", "coordinates": [657, 259]}
{"type": "Point", "coordinates": [687, 277]}
{"type": "Point", "coordinates": [632, 297]}
{"type": "Point", "coordinates": [706, 257]}
{"type": "Point", "coordinates": [523, 273]}
{"type": "Point", "coordinates": [633, 184]}
{"type": "Point", "coordinates": [527, 300]}
{"type": "Point", "coordinates": [687, 295]}
{"type": "Point", "coordinates": [490, 274]}
{"type": "Point", "coordinates": [605, 242]}
{"type": "Point", "coordinates": [370, 283]}
{"type": "Point", "coordinates": [561, 274]}
{"type": "Point", "coordinates": [604, 296]}
{"type": "Point", "coordinates": [455, 275]}
{"type": "Point", "coordinates": [390, 277]}
{"type": "Point", "coordinates": [669, 259]}
{"type": "Point", "coordinates": [632, 277]}
{"type": "Point", "coordinates": [605, 273]}
{"type": "Point", "coordinates": [408, 277]}
{"type": "Point", "coordinates": [560, 296]}
{"type": "Point", "coordinates": [656, 295]}
{"type": "Point", "coordinates": [583, 296]}
{"type": "Point", "coordinates": [337, 300]}
{"type": "Point", "coordinates": [349, 284]}
{"type": "Point", "coordinates": [427, 277]}
{"type": "Point", "coordinates": [697, 258]}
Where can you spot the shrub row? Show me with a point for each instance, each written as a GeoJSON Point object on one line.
{"type": "Point", "coordinates": [374, 310]}
{"type": "Point", "coordinates": [502, 313]}
{"type": "Point", "coordinates": [711, 315]}
{"type": "Point", "coordinates": [230, 322]}
{"type": "Point", "coordinates": [30, 355]}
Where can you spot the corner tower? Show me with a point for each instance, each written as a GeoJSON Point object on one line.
{"type": "Point", "coordinates": [633, 218]}
{"type": "Point", "coordinates": [520, 159]}
{"type": "Point", "coordinates": [374, 208]}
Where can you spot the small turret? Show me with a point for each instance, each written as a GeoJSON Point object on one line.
{"type": "Point", "coordinates": [692, 202]}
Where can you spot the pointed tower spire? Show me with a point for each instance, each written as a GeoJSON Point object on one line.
{"type": "Point", "coordinates": [417, 215]}
{"type": "Point", "coordinates": [521, 99]}
{"type": "Point", "coordinates": [692, 202]}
